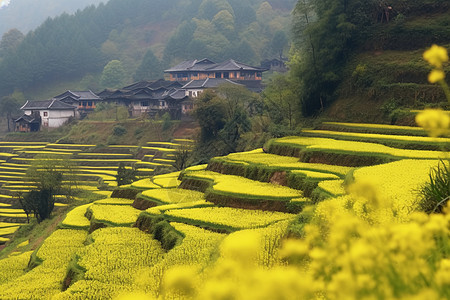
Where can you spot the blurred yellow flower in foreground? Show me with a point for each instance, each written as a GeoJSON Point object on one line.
{"type": "Point", "coordinates": [436, 55]}
{"type": "Point", "coordinates": [435, 121]}
{"type": "Point", "coordinates": [435, 76]}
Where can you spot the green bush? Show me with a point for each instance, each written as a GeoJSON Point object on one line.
{"type": "Point", "coordinates": [119, 130]}
{"type": "Point", "coordinates": [435, 193]}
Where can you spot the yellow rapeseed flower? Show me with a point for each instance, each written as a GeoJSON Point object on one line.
{"type": "Point", "coordinates": [435, 76]}
{"type": "Point", "coordinates": [436, 55]}
{"type": "Point", "coordinates": [435, 121]}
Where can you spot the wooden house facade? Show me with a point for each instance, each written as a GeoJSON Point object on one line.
{"type": "Point", "coordinates": [205, 68]}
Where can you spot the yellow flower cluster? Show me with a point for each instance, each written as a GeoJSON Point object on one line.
{"type": "Point", "coordinates": [114, 214]}
{"type": "Point", "coordinates": [289, 163]}
{"type": "Point", "coordinates": [435, 121]}
{"type": "Point", "coordinates": [114, 201]}
{"type": "Point", "coordinates": [44, 281]}
{"type": "Point", "coordinates": [167, 180]}
{"type": "Point", "coordinates": [8, 230]}
{"type": "Point", "coordinates": [145, 184]}
{"type": "Point", "coordinates": [173, 195]}
{"type": "Point", "coordinates": [375, 137]}
{"type": "Point", "coordinates": [351, 147]}
{"type": "Point", "coordinates": [243, 187]}
{"type": "Point", "coordinates": [436, 56]}
{"type": "Point", "coordinates": [157, 210]}
{"type": "Point", "coordinates": [13, 267]}
{"type": "Point", "coordinates": [230, 217]}
{"type": "Point", "coordinates": [76, 218]}
{"type": "Point", "coordinates": [333, 187]}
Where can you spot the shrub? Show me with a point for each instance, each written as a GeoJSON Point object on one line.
{"type": "Point", "coordinates": [119, 130]}
{"type": "Point", "coordinates": [435, 193]}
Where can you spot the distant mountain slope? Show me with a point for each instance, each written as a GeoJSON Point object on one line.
{"type": "Point", "coordinates": [143, 35]}
{"type": "Point", "coordinates": [26, 15]}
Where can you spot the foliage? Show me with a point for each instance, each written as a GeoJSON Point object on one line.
{"type": "Point", "coordinates": [10, 41]}
{"type": "Point", "coordinates": [125, 175]}
{"type": "Point", "coordinates": [223, 117]}
{"type": "Point", "coordinates": [9, 106]}
{"type": "Point", "coordinates": [435, 193]}
{"type": "Point", "coordinates": [39, 203]}
{"type": "Point", "coordinates": [149, 69]}
{"type": "Point", "coordinates": [113, 75]}
{"type": "Point", "coordinates": [325, 33]}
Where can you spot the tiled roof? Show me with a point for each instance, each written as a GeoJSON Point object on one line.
{"type": "Point", "coordinates": [27, 118]}
{"type": "Point", "coordinates": [47, 105]}
{"type": "Point", "coordinates": [207, 65]}
{"type": "Point", "coordinates": [79, 95]}
{"type": "Point", "coordinates": [207, 83]}
{"type": "Point", "coordinates": [192, 65]}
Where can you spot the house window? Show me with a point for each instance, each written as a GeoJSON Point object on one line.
{"type": "Point", "coordinates": [162, 103]}
{"type": "Point", "coordinates": [226, 75]}
{"type": "Point", "coordinates": [218, 75]}
{"type": "Point", "coordinates": [190, 94]}
{"type": "Point", "coordinates": [45, 114]}
{"type": "Point", "coordinates": [89, 103]}
{"type": "Point", "coordinates": [145, 103]}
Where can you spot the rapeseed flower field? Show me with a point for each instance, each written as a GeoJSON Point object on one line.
{"type": "Point", "coordinates": [364, 238]}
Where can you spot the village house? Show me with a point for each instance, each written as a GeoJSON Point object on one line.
{"type": "Point", "coordinates": [86, 101]}
{"type": "Point", "coordinates": [50, 113]}
{"type": "Point", "coordinates": [205, 68]}
{"type": "Point", "coordinates": [148, 98]}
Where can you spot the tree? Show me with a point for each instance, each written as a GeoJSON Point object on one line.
{"type": "Point", "coordinates": [9, 105]}
{"type": "Point", "coordinates": [279, 43]}
{"type": "Point", "coordinates": [125, 175]}
{"type": "Point", "coordinates": [10, 41]}
{"type": "Point", "coordinates": [150, 68]}
{"type": "Point", "coordinates": [39, 203]}
{"type": "Point", "coordinates": [113, 75]}
{"type": "Point", "coordinates": [282, 103]}
{"type": "Point", "coordinates": [52, 175]}
{"type": "Point", "coordinates": [325, 32]}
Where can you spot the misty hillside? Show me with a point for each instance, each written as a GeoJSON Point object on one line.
{"type": "Point", "coordinates": [26, 15]}
{"type": "Point", "coordinates": [143, 35]}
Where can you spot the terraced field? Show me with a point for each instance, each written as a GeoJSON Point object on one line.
{"type": "Point", "coordinates": [95, 170]}
{"type": "Point", "coordinates": [180, 234]}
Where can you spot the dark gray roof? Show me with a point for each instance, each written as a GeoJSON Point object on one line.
{"type": "Point", "coordinates": [79, 95]}
{"type": "Point", "coordinates": [192, 65]}
{"type": "Point", "coordinates": [27, 118]}
{"type": "Point", "coordinates": [207, 83]}
{"type": "Point", "coordinates": [47, 105]}
{"type": "Point", "coordinates": [207, 65]}
{"type": "Point", "coordinates": [232, 65]}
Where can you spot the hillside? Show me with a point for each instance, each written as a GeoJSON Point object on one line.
{"type": "Point", "coordinates": [27, 15]}
{"type": "Point", "coordinates": [387, 75]}
{"type": "Point", "coordinates": [73, 49]}
{"type": "Point", "coordinates": [194, 234]}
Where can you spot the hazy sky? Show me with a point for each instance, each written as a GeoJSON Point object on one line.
{"type": "Point", "coordinates": [4, 3]}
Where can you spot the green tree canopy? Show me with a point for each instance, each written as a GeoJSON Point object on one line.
{"type": "Point", "coordinates": [113, 75]}
{"type": "Point", "coordinates": [10, 41]}
{"type": "Point", "coordinates": [150, 68]}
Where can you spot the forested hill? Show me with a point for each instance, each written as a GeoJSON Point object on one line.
{"type": "Point", "coordinates": [26, 15]}
{"type": "Point", "coordinates": [143, 35]}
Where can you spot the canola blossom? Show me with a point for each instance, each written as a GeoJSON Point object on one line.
{"type": "Point", "coordinates": [228, 217]}
{"type": "Point", "coordinates": [76, 218]}
{"type": "Point", "coordinates": [173, 195]}
{"type": "Point", "coordinates": [13, 267]}
{"type": "Point", "coordinates": [44, 281]}
{"type": "Point", "coordinates": [113, 214]}
{"type": "Point", "coordinates": [435, 121]}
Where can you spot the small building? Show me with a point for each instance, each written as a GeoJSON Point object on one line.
{"type": "Point", "coordinates": [28, 123]}
{"type": "Point", "coordinates": [86, 101]}
{"type": "Point", "coordinates": [53, 113]}
{"type": "Point", "coordinates": [275, 65]}
{"type": "Point", "coordinates": [205, 68]}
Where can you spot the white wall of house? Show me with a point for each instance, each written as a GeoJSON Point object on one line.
{"type": "Point", "coordinates": [194, 93]}
{"type": "Point", "coordinates": [54, 118]}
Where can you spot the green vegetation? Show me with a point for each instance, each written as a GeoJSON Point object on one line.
{"type": "Point", "coordinates": [435, 193]}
